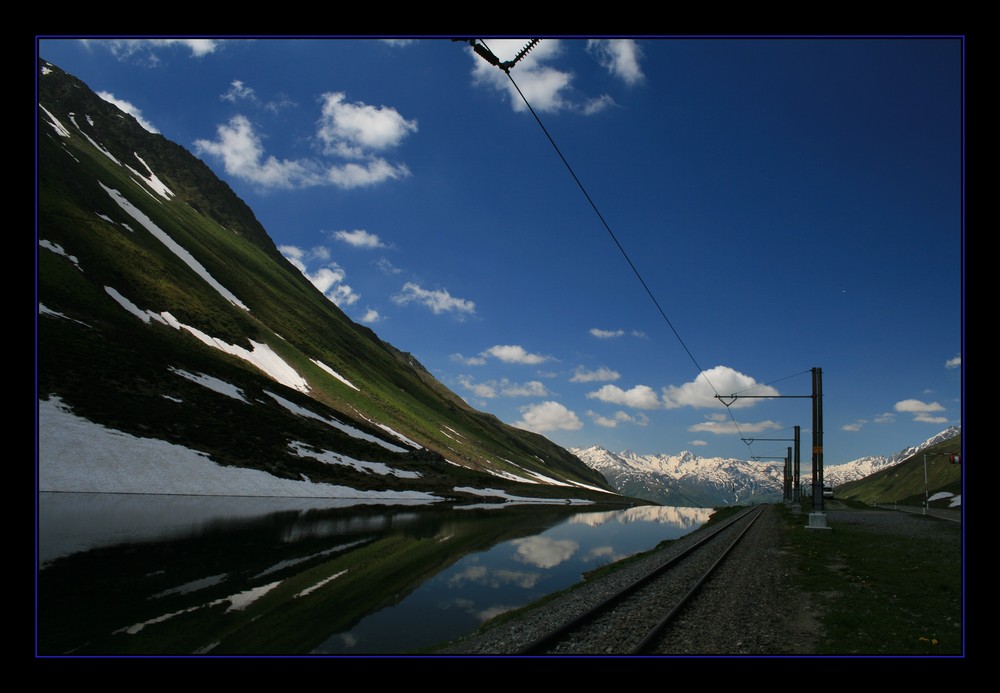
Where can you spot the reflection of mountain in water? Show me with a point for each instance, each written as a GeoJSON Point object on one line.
{"type": "Point", "coordinates": [681, 517]}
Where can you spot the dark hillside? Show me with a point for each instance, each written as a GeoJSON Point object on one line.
{"type": "Point", "coordinates": [139, 285]}
{"type": "Point", "coordinates": [904, 483]}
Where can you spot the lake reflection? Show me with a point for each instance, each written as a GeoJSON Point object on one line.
{"type": "Point", "coordinates": [161, 575]}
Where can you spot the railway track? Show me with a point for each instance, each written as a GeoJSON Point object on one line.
{"type": "Point", "coordinates": [637, 618]}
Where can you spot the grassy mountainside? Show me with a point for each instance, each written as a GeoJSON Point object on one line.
{"type": "Point", "coordinates": [904, 483]}
{"type": "Point", "coordinates": [123, 316]}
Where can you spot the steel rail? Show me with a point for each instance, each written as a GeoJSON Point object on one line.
{"type": "Point", "coordinates": [546, 642]}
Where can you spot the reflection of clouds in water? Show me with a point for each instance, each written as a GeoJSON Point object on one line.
{"type": "Point", "coordinates": [681, 517]}
{"type": "Point", "coordinates": [486, 614]}
{"type": "Point", "coordinates": [496, 578]}
{"type": "Point", "coordinates": [349, 639]}
{"type": "Point", "coordinates": [474, 573]}
{"type": "Point", "coordinates": [516, 577]}
{"type": "Point", "coordinates": [603, 555]}
{"type": "Point", "coordinates": [544, 552]}
{"type": "Point", "coordinates": [481, 615]}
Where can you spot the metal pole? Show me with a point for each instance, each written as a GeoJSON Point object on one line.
{"type": "Point", "coordinates": [788, 475]}
{"type": "Point", "coordinates": [819, 433]}
{"type": "Point", "coordinates": [817, 446]}
{"type": "Point", "coordinates": [796, 473]}
{"type": "Point", "coordinates": [926, 498]}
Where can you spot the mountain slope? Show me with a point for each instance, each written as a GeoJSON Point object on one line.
{"type": "Point", "coordinates": [925, 472]}
{"type": "Point", "coordinates": [167, 312]}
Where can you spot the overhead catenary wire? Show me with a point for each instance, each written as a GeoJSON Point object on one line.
{"type": "Point", "coordinates": [506, 67]}
{"type": "Point", "coordinates": [607, 226]}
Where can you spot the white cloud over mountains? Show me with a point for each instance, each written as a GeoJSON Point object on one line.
{"type": "Point", "coordinates": [239, 147]}
{"type": "Point", "coordinates": [359, 238]}
{"type": "Point", "coordinates": [721, 380]}
{"type": "Point", "coordinates": [353, 130]}
{"type": "Point", "coordinates": [495, 388]}
{"type": "Point", "coordinates": [548, 416]}
{"type": "Point", "coordinates": [617, 418]}
{"type": "Point", "coordinates": [922, 411]}
{"type": "Point", "coordinates": [720, 425]}
{"type": "Point", "coordinates": [437, 300]}
{"type": "Point", "coordinates": [329, 278]}
{"type": "Point", "coordinates": [512, 353]}
{"type": "Point", "coordinates": [638, 397]}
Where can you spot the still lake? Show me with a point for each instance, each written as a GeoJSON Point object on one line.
{"type": "Point", "coordinates": [123, 574]}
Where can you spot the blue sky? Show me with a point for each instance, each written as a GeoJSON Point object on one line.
{"type": "Point", "coordinates": [670, 220]}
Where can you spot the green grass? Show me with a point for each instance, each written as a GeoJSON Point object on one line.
{"type": "Point", "coordinates": [882, 594]}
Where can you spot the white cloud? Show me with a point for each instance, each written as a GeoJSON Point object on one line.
{"type": "Point", "coordinates": [439, 301]}
{"type": "Point", "coordinates": [482, 390]}
{"type": "Point", "coordinates": [598, 104]}
{"type": "Point", "coordinates": [370, 317]}
{"type": "Point", "coordinates": [851, 427]}
{"type": "Point", "coordinates": [921, 410]}
{"type": "Point", "coordinates": [548, 416]}
{"type": "Point", "coordinates": [514, 354]}
{"type": "Point", "coordinates": [620, 57]}
{"type": "Point", "coordinates": [700, 392]}
{"type": "Point", "coordinates": [357, 176]}
{"type": "Point", "coordinates": [915, 406]}
{"type": "Point", "coordinates": [127, 107]}
{"type": "Point", "coordinates": [127, 48]}
{"type": "Point", "coordinates": [543, 86]}
{"type": "Point", "coordinates": [606, 334]}
{"type": "Point", "coordinates": [351, 130]}
{"type": "Point", "coordinates": [469, 360]}
{"type": "Point", "coordinates": [602, 374]}
{"type": "Point", "coordinates": [955, 362]}
{"type": "Point", "coordinates": [387, 267]}
{"type": "Point", "coordinates": [619, 417]}
{"type": "Point", "coordinates": [723, 427]}
{"type": "Point", "coordinates": [495, 388]}
{"type": "Point", "coordinates": [237, 91]}
{"type": "Point", "coordinates": [639, 397]}
{"type": "Point", "coordinates": [239, 148]}
{"type": "Point", "coordinates": [698, 443]}
{"type": "Point", "coordinates": [546, 87]}
{"type": "Point", "coordinates": [532, 388]}
{"type": "Point", "coordinates": [359, 238]}
{"type": "Point", "coordinates": [329, 279]}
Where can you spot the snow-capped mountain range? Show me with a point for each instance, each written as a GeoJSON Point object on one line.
{"type": "Point", "coordinates": [685, 479]}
